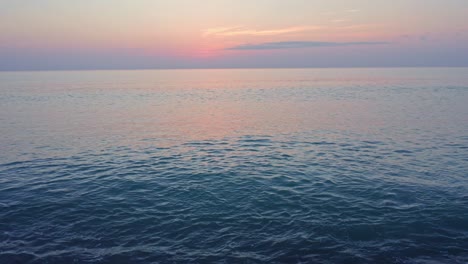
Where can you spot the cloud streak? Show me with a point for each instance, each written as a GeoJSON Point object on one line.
{"type": "Point", "coordinates": [301, 44]}
{"type": "Point", "coordinates": [241, 31]}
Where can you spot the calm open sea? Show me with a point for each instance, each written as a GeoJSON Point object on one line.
{"type": "Point", "coordinates": [234, 166]}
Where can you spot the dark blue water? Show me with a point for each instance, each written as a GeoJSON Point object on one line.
{"type": "Point", "coordinates": [234, 166]}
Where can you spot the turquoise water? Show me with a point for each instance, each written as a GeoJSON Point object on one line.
{"type": "Point", "coordinates": [234, 166]}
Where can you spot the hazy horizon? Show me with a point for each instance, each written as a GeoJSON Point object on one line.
{"type": "Point", "coordinates": [231, 68]}
{"type": "Point", "coordinates": [188, 34]}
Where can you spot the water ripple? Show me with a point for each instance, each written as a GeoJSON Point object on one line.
{"type": "Point", "coordinates": [231, 200]}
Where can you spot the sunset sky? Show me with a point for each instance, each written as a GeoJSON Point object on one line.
{"type": "Point", "coordinates": [135, 34]}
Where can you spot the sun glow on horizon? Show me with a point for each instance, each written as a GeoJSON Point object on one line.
{"type": "Point", "coordinates": [191, 33]}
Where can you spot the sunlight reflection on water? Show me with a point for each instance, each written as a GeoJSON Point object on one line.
{"type": "Point", "coordinates": [336, 165]}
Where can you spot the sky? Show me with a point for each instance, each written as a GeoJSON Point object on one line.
{"type": "Point", "coordinates": [147, 34]}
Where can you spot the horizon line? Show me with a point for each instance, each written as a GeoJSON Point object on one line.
{"type": "Point", "coordinates": [234, 68]}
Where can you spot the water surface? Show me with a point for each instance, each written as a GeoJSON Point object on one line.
{"type": "Point", "coordinates": [234, 166]}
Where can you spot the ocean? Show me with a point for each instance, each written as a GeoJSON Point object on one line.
{"type": "Point", "coordinates": [234, 166]}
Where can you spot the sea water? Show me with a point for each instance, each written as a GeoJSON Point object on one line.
{"type": "Point", "coordinates": [234, 166]}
